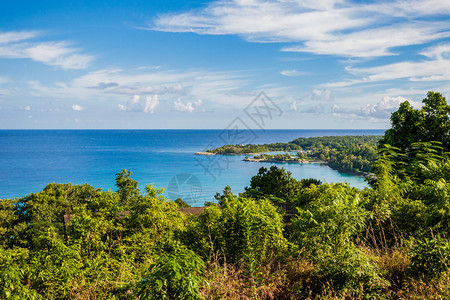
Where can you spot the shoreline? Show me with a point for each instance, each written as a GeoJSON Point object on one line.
{"type": "Point", "coordinates": [292, 161]}
{"type": "Point", "coordinates": [212, 153]}
{"type": "Point", "coordinates": [204, 153]}
{"type": "Point", "coordinates": [360, 174]}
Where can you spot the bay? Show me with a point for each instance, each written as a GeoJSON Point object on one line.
{"type": "Point", "coordinates": [30, 159]}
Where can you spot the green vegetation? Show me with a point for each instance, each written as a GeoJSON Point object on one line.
{"type": "Point", "coordinates": [286, 157]}
{"type": "Point", "coordinates": [352, 154]}
{"type": "Point", "coordinates": [282, 238]}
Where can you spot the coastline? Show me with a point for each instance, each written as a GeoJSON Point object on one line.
{"type": "Point", "coordinates": [295, 161]}
{"type": "Point", "coordinates": [204, 153]}
{"type": "Point", "coordinates": [292, 161]}
{"type": "Point", "coordinates": [212, 153]}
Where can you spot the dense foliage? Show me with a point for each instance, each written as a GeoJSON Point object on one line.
{"type": "Point", "coordinates": [429, 123]}
{"type": "Point", "coordinates": [282, 238]}
{"type": "Point", "coordinates": [354, 154]}
{"type": "Point", "coordinates": [344, 153]}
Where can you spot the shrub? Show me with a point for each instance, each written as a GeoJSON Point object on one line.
{"type": "Point", "coordinates": [431, 257]}
{"type": "Point", "coordinates": [13, 272]}
{"type": "Point", "coordinates": [175, 275]}
{"type": "Point", "coordinates": [325, 230]}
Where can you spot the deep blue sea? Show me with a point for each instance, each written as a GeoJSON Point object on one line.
{"type": "Point", "coordinates": [30, 159]}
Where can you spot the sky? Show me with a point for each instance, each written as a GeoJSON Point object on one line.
{"type": "Point", "coordinates": [140, 64]}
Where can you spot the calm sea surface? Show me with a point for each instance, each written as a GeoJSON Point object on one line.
{"type": "Point", "coordinates": [29, 159]}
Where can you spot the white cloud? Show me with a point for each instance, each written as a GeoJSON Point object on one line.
{"type": "Point", "coordinates": [25, 108]}
{"type": "Point", "coordinates": [18, 45]}
{"type": "Point", "coordinates": [373, 112]}
{"type": "Point", "coordinates": [337, 27]}
{"type": "Point", "coordinates": [77, 107]}
{"type": "Point", "coordinates": [435, 68]}
{"type": "Point", "coordinates": [134, 104]}
{"type": "Point", "coordinates": [374, 42]}
{"type": "Point", "coordinates": [180, 106]}
{"type": "Point", "coordinates": [198, 102]}
{"type": "Point", "coordinates": [139, 88]}
{"type": "Point", "coordinates": [214, 87]}
{"type": "Point", "coordinates": [262, 20]}
{"type": "Point", "coordinates": [134, 100]}
{"type": "Point", "coordinates": [293, 106]}
{"type": "Point", "coordinates": [16, 36]}
{"type": "Point", "coordinates": [151, 102]}
{"type": "Point", "coordinates": [291, 73]}
{"type": "Point", "coordinates": [321, 95]}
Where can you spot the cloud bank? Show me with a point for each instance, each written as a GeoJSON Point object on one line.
{"type": "Point", "coordinates": [334, 27]}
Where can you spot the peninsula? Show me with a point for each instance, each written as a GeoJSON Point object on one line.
{"type": "Point", "coordinates": [348, 154]}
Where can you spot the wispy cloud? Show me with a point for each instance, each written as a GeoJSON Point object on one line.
{"type": "Point", "coordinates": [292, 73]}
{"type": "Point", "coordinates": [23, 44]}
{"type": "Point", "coordinates": [434, 67]}
{"type": "Point", "coordinates": [373, 112]}
{"type": "Point", "coordinates": [192, 85]}
{"type": "Point", "coordinates": [16, 36]}
{"type": "Point", "coordinates": [321, 95]}
{"type": "Point", "coordinates": [293, 106]}
{"type": "Point", "coordinates": [377, 41]}
{"type": "Point", "coordinates": [77, 107]}
{"type": "Point", "coordinates": [336, 27]}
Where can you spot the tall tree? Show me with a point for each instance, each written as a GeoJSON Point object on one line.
{"type": "Point", "coordinates": [430, 123]}
{"type": "Point", "coordinates": [128, 187]}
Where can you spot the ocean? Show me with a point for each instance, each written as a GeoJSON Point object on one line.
{"type": "Point", "coordinates": [30, 159]}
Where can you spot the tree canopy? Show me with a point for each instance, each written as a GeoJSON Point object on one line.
{"type": "Point", "coordinates": [429, 123]}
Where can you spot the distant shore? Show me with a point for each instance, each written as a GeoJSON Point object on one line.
{"type": "Point", "coordinates": [204, 153]}
{"type": "Point", "coordinates": [299, 161]}
{"type": "Point", "coordinates": [289, 161]}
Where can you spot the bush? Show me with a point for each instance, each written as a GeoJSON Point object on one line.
{"type": "Point", "coordinates": [174, 275]}
{"type": "Point", "coordinates": [13, 272]}
{"type": "Point", "coordinates": [325, 230]}
{"type": "Point", "coordinates": [430, 257]}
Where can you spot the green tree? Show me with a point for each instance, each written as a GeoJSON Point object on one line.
{"type": "Point", "coordinates": [9, 222]}
{"type": "Point", "coordinates": [430, 123]}
{"type": "Point", "coordinates": [14, 275]}
{"type": "Point", "coordinates": [325, 230]}
{"type": "Point", "coordinates": [245, 231]}
{"type": "Point", "coordinates": [175, 275]}
{"type": "Point", "coordinates": [274, 181]}
{"type": "Point", "coordinates": [127, 187]}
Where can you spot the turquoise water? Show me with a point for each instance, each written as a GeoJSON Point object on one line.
{"type": "Point", "coordinates": [29, 159]}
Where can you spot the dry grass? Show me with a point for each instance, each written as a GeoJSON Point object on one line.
{"type": "Point", "coordinates": [292, 280]}
{"type": "Point", "coordinates": [296, 279]}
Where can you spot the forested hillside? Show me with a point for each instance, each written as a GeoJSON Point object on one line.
{"type": "Point", "coordinates": [351, 154]}
{"type": "Point", "coordinates": [389, 241]}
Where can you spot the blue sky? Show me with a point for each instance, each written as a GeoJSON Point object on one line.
{"type": "Point", "coordinates": [198, 64]}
